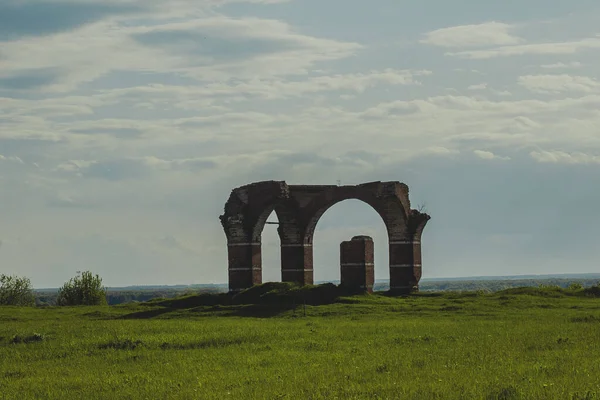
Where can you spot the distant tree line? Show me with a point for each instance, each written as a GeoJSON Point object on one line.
{"type": "Point", "coordinates": [86, 289]}
{"type": "Point", "coordinates": [494, 285]}
{"type": "Point", "coordinates": [114, 297]}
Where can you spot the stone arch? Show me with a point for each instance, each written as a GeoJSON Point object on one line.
{"type": "Point", "coordinates": [246, 213]}
{"type": "Point", "coordinates": [390, 201]}
{"type": "Point", "coordinates": [289, 227]}
{"type": "Point", "coordinates": [389, 208]}
{"type": "Point", "coordinates": [299, 208]}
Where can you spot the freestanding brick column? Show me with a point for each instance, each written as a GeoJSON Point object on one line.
{"type": "Point", "coordinates": [357, 264]}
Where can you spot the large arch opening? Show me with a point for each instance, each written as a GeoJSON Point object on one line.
{"type": "Point", "coordinates": [340, 223]}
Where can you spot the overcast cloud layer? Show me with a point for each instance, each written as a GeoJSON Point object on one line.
{"type": "Point", "coordinates": [125, 124]}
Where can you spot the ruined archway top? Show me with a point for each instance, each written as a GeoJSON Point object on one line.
{"type": "Point", "coordinates": [270, 190]}
{"type": "Point", "coordinates": [270, 193]}
{"type": "Point", "coordinates": [284, 184]}
{"type": "Point", "coordinates": [299, 207]}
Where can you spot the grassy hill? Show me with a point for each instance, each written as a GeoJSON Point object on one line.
{"type": "Point", "coordinates": [532, 343]}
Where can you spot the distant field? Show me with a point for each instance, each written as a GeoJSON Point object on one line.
{"type": "Point", "coordinates": [120, 295]}
{"type": "Point", "coordinates": [515, 344]}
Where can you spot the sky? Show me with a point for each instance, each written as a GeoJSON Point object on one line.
{"type": "Point", "coordinates": [125, 124]}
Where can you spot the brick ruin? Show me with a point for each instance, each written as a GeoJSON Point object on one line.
{"type": "Point", "coordinates": [298, 209]}
{"type": "Point", "coordinates": [357, 264]}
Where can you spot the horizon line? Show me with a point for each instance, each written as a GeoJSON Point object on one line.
{"type": "Point", "coordinates": [470, 277]}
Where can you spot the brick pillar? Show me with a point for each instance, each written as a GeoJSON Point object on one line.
{"type": "Point", "coordinates": [245, 265]}
{"type": "Point", "coordinates": [297, 263]}
{"type": "Point", "coordinates": [357, 264]}
{"type": "Point", "coordinates": [405, 265]}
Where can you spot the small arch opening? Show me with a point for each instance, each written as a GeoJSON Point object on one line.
{"type": "Point", "coordinates": [271, 250]}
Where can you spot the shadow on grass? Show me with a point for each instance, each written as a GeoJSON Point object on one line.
{"type": "Point", "coordinates": [261, 301]}
{"type": "Point", "coordinates": [248, 310]}
{"type": "Point", "coordinates": [186, 302]}
{"type": "Point", "coordinates": [147, 314]}
{"type": "Point", "coordinates": [276, 298]}
{"type": "Point", "coordinates": [214, 343]}
{"type": "Point", "coordinates": [99, 315]}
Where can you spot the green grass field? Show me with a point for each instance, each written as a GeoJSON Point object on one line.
{"type": "Point", "coordinates": [516, 344]}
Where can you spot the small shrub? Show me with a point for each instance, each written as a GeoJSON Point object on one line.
{"type": "Point", "coordinates": [16, 291]}
{"type": "Point", "coordinates": [589, 395]}
{"type": "Point", "coordinates": [507, 393]}
{"type": "Point", "coordinates": [451, 308]}
{"type": "Point", "coordinates": [586, 319]}
{"type": "Point", "coordinates": [84, 289]}
{"type": "Point", "coordinates": [381, 369]}
{"type": "Point", "coordinates": [215, 343]}
{"type": "Point", "coordinates": [405, 340]}
{"type": "Point", "coordinates": [36, 337]}
{"type": "Point", "coordinates": [122, 344]}
{"type": "Point", "coordinates": [15, 374]}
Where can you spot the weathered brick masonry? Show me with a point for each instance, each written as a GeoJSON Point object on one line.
{"type": "Point", "coordinates": [357, 264]}
{"type": "Point", "coordinates": [298, 208]}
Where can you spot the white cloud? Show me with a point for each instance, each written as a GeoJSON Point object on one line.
{"type": "Point", "coordinates": [440, 150]}
{"type": "Point", "coordinates": [561, 157]}
{"type": "Point", "coordinates": [501, 92]}
{"type": "Point", "coordinates": [561, 65]}
{"type": "Point", "coordinates": [474, 71]}
{"type": "Point", "coordinates": [485, 34]}
{"type": "Point", "coordinates": [470, 122]}
{"type": "Point", "coordinates": [559, 83]}
{"type": "Point", "coordinates": [11, 158]}
{"type": "Point", "coordinates": [266, 88]}
{"type": "Point", "coordinates": [488, 155]}
{"type": "Point", "coordinates": [444, 121]}
{"type": "Point", "coordinates": [480, 86]}
{"type": "Point", "coordinates": [204, 49]}
{"type": "Point", "coordinates": [567, 47]}
{"type": "Point", "coordinates": [66, 200]}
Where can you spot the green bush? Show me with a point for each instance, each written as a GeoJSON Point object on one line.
{"type": "Point", "coordinates": [16, 291]}
{"type": "Point", "coordinates": [84, 289]}
{"type": "Point", "coordinates": [593, 291]}
{"type": "Point", "coordinates": [575, 286]}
